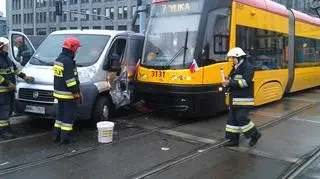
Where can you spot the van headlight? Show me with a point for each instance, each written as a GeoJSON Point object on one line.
{"type": "Point", "coordinates": [86, 74]}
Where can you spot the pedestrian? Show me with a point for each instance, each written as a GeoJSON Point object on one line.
{"type": "Point", "coordinates": [240, 84]}
{"type": "Point", "coordinates": [8, 71]}
{"type": "Point", "coordinates": [66, 91]}
{"type": "Point", "coordinates": [22, 51]}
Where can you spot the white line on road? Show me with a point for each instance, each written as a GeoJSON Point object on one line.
{"type": "Point", "coordinates": [188, 136]}
{"type": "Point", "coordinates": [299, 99]}
{"type": "Point", "coordinates": [264, 154]}
{"type": "Point", "coordinates": [305, 120]}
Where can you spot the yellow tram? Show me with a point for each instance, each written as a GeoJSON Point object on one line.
{"type": "Point", "coordinates": [186, 44]}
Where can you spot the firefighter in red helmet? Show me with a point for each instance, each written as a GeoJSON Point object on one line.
{"type": "Point", "coordinates": [66, 91]}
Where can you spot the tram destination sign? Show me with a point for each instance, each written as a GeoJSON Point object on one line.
{"type": "Point", "coordinates": [178, 7]}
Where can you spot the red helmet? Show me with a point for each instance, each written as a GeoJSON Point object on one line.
{"type": "Point", "coordinates": [19, 40]}
{"type": "Point", "coordinates": [72, 44]}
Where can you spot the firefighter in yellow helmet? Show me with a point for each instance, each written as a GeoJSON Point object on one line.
{"type": "Point", "coordinates": [66, 90]}
{"type": "Point", "coordinates": [8, 73]}
{"type": "Point", "coordinates": [240, 84]}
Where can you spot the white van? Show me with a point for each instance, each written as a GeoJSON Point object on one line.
{"type": "Point", "coordinates": [106, 64]}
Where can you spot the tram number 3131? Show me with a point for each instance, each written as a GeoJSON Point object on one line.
{"type": "Point", "coordinates": [160, 74]}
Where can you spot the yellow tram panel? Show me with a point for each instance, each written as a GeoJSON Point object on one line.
{"type": "Point", "coordinates": [269, 85]}
{"type": "Point", "coordinates": [261, 19]}
{"type": "Point", "coordinates": [178, 77]}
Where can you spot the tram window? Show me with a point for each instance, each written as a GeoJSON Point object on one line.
{"type": "Point", "coordinates": [216, 40]}
{"type": "Point", "coordinates": [265, 48]}
{"type": "Point", "coordinates": [306, 52]}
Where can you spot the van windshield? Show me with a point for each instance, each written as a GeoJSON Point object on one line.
{"type": "Point", "coordinates": [89, 52]}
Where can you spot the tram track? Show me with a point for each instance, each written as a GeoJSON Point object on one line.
{"type": "Point", "coordinates": [210, 147]}
{"type": "Point", "coordinates": [301, 164]}
{"type": "Point", "coordinates": [153, 170]}
{"type": "Point", "coordinates": [59, 156]}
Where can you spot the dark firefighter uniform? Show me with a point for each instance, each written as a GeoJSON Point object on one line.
{"type": "Point", "coordinates": [66, 90]}
{"type": "Point", "coordinates": [241, 100]}
{"type": "Point", "coordinates": [8, 71]}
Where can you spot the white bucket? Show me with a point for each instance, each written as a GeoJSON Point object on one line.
{"type": "Point", "coordinates": [105, 131]}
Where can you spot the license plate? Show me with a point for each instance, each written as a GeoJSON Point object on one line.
{"type": "Point", "coordinates": [160, 74]}
{"type": "Point", "coordinates": [35, 109]}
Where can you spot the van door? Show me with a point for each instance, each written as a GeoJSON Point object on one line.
{"type": "Point", "coordinates": [20, 49]}
{"type": "Point", "coordinates": [118, 72]}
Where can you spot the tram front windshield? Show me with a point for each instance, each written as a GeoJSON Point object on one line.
{"type": "Point", "coordinates": [171, 34]}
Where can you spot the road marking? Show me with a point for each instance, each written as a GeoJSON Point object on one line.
{"type": "Point", "coordinates": [266, 114]}
{"type": "Point", "coordinates": [305, 120]}
{"type": "Point", "coordinates": [264, 154]}
{"type": "Point", "coordinates": [188, 136]}
{"type": "Point", "coordinates": [299, 99]}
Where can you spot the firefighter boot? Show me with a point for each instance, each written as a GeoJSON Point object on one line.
{"type": "Point", "coordinates": [254, 139]}
{"type": "Point", "coordinates": [6, 133]}
{"type": "Point", "coordinates": [232, 143]}
{"type": "Point", "coordinates": [67, 137]}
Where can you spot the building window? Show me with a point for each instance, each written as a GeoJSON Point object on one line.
{"type": "Point", "coordinates": [84, 1]}
{"type": "Point", "coordinates": [84, 27]}
{"type": "Point", "coordinates": [63, 18]}
{"type": "Point", "coordinates": [109, 27]}
{"type": "Point", "coordinates": [52, 17]}
{"type": "Point", "coordinates": [122, 27]}
{"type": "Point", "coordinates": [96, 11]}
{"type": "Point", "coordinates": [85, 17]}
{"type": "Point", "coordinates": [52, 29]}
{"type": "Point", "coordinates": [28, 31]}
{"type": "Point", "coordinates": [112, 13]}
{"type": "Point", "coordinates": [96, 27]}
{"type": "Point", "coordinates": [41, 3]}
{"type": "Point", "coordinates": [120, 13]}
{"type": "Point", "coordinates": [73, 28]}
{"type": "Point", "coordinates": [109, 12]}
{"type": "Point", "coordinates": [133, 10]}
{"type": "Point", "coordinates": [125, 12]}
{"type": "Point", "coordinates": [41, 31]}
{"type": "Point", "coordinates": [96, 1]}
{"type": "Point", "coordinates": [63, 28]}
{"type": "Point", "coordinates": [73, 2]}
{"type": "Point", "coordinates": [73, 15]}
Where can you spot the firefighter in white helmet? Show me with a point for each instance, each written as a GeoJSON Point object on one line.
{"type": "Point", "coordinates": [8, 71]}
{"type": "Point", "coordinates": [240, 84]}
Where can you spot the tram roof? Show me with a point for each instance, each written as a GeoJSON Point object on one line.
{"type": "Point", "coordinates": [280, 9]}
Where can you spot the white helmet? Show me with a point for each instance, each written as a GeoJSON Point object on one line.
{"type": "Point", "coordinates": [236, 52]}
{"type": "Point", "coordinates": [3, 41]}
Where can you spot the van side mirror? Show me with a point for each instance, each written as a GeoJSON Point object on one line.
{"type": "Point", "coordinates": [113, 64]}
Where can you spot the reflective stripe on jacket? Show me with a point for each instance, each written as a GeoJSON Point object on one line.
{"type": "Point", "coordinates": [241, 85]}
{"type": "Point", "coordinates": [66, 81]}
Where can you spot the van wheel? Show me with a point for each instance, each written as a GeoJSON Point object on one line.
{"type": "Point", "coordinates": [101, 111]}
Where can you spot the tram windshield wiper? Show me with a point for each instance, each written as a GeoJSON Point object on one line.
{"type": "Point", "coordinates": [182, 49]}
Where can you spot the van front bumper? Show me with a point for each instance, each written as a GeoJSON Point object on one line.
{"type": "Point", "coordinates": [48, 110]}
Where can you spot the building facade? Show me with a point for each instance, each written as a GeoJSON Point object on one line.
{"type": "Point", "coordinates": [3, 26]}
{"type": "Point", "coordinates": [37, 17]}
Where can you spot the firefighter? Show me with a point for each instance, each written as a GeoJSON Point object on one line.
{"type": "Point", "coordinates": [8, 70]}
{"type": "Point", "coordinates": [240, 84]}
{"type": "Point", "coordinates": [66, 91]}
